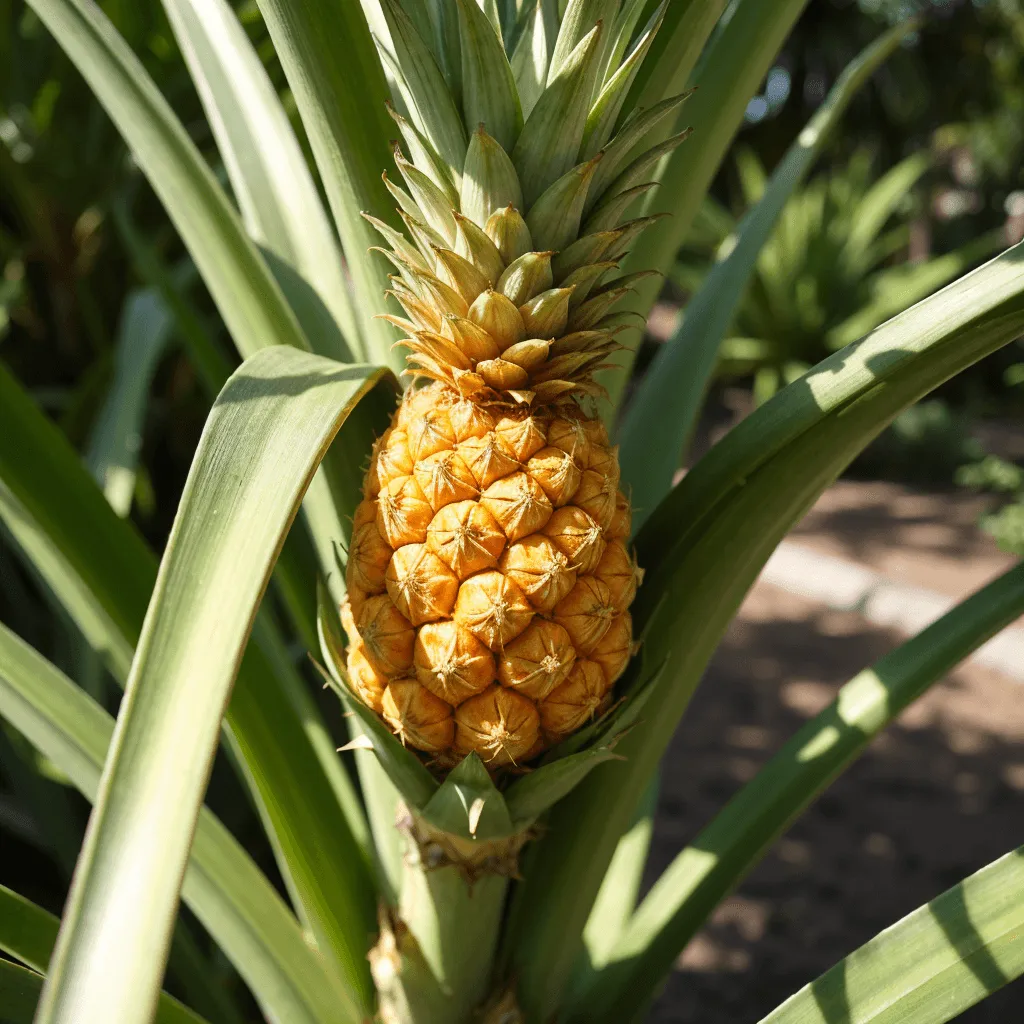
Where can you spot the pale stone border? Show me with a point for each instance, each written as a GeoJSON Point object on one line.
{"type": "Point", "coordinates": [907, 609]}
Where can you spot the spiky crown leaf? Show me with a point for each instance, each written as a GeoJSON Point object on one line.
{"type": "Point", "coordinates": [516, 227]}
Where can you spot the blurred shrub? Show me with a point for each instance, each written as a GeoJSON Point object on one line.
{"type": "Point", "coordinates": [998, 476]}
{"type": "Point", "coordinates": [835, 267]}
{"type": "Point", "coordinates": [82, 236]}
{"type": "Point", "coordinates": [62, 163]}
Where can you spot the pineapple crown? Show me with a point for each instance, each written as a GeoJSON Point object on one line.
{"type": "Point", "coordinates": [516, 229]}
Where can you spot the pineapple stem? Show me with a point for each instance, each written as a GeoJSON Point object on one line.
{"type": "Point", "coordinates": [435, 959]}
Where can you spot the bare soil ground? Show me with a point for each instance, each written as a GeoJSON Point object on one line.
{"type": "Point", "coordinates": [927, 540]}
{"type": "Point", "coordinates": [936, 797]}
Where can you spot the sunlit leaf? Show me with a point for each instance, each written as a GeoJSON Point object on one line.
{"type": "Point", "coordinates": [705, 545]}
{"type": "Point", "coordinates": [267, 431]}
{"type": "Point", "coordinates": [102, 573]}
{"type": "Point", "coordinates": [279, 203]}
{"type": "Point", "coordinates": [931, 966]}
{"type": "Point", "coordinates": [226, 890]}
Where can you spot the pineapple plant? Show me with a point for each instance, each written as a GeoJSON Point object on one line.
{"type": "Point", "coordinates": [481, 634]}
{"type": "Point", "coordinates": [489, 578]}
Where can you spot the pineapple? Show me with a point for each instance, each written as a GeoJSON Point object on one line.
{"type": "Point", "coordinates": [489, 574]}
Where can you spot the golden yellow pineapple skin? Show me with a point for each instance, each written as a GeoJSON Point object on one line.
{"type": "Point", "coordinates": [489, 580]}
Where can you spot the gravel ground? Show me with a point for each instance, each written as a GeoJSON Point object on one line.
{"type": "Point", "coordinates": [933, 799]}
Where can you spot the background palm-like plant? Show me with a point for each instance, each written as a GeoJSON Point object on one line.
{"type": "Point", "coordinates": [205, 655]}
{"type": "Point", "coordinates": [826, 276]}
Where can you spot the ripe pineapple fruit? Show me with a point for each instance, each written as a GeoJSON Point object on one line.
{"type": "Point", "coordinates": [489, 577]}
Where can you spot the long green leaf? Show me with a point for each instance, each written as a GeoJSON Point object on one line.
{"type": "Point", "coordinates": [295, 585]}
{"type": "Point", "coordinates": [704, 547]}
{"type": "Point", "coordinates": [280, 206]}
{"type": "Point", "coordinates": [228, 893]}
{"type": "Point", "coordinates": [729, 73]}
{"type": "Point", "coordinates": [675, 51]}
{"type": "Point", "coordinates": [931, 966]}
{"type": "Point", "coordinates": [28, 932]}
{"type": "Point", "coordinates": [616, 901]}
{"type": "Point", "coordinates": [670, 397]}
{"type": "Point", "coordinates": [205, 355]}
{"type": "Point", "coordinates": [743, 831]}
{"type": "Point", "coordinates": [328, 55]}
{"type": "Point", "coordinates": [941, 334]}
{"type": "Point", "coordinates": [116, 439]}
{"type": "Point", "coordinates": [103, 574]}
{"type": "Point", "coordinates": [247, 295]}
{"type": "Point", "coordinates": [267, 432]}
{"type": "Point", "coordinates": [19, 993]}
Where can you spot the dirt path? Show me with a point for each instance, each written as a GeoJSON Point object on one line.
{"type": "Point", "coordinates": [926, 540]}
{"type": "Point", "coordinates": [936, 797]}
